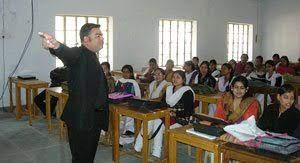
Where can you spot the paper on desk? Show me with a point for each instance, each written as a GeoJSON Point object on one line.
{"type": "Point", "coordinates": [192, 131]}
{"type": "Point", "coordinates": [246, 130]}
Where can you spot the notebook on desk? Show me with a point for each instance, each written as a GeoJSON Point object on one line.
{"type": "Point", "coordinates": [26, 77]}
{"type": "Point", "coordinates": [145, 104]}
{"type": "Point", "coordinates": [203, 135]}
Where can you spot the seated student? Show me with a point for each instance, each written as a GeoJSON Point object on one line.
{"type": "Point", "coordinates": [157, 91]}
{"type": "Point", "coordinates": [274, 79]}
{"type": "Point", "coordinates": [250, 73]}
{"type": "Point", "coordinates": [276, 60]}
{"type": "Point", "coordinates": [213, 68]}
{"type": "Point", "coordinates": [259, 66]}
{"type": "Point", "coordinates": [196, 61]}
{"type": "Point", "coordinates": [226, 76]}
{"type": "Point", "coordinates": [157, 88]}
{"type": "Point", "coordinates": [110, 80]}
{"type": "Point", "coordinates": [190, 72]}
{"type": "Point", "coordinates": [204, 77]}
{"type": "Point", "coordinates": [240, 66]}
{"type": "Point", "coordinates": [57, 76]}
{"type": "Point", "coordinates": [127, 84]}
{"type": "Point", "coordinates": [284, 66]}
{"type": "Point", "coordinates": [181, 100]}
{"type": "Point", "coordinates": [149, 72]}
{"type": "Point", "coordinates": [236, 105]}
{"type": "Point", "coordinates": [233, 63]}
{"type": "Point", "coordinates": [169, 70]}
{"type": "Point", "coordinates": [282, 116]}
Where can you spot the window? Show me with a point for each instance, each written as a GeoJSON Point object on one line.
{"type": "Point", "coordinates": [240, 40]}
{"type": "Point", "coordinates": [67, 30]}
{"type": "Point", "coordinates": [177, 41]}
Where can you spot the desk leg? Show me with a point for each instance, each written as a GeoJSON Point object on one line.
{"type": "Point", "coordinates": [166, 141]}
{"type": "Point", "coordinates": [137, 128]}
{"type": "Point", "coordinates": [172, 148]}
{"type": "Point", "coordinates": [205, 108]}
{"type": "Point", "coordinates": [18, 102]}
{"type": "Point", "coordinates": [34, 107]}
{"type": "Point", "coordinates": [11, 103]}
{"type": "Point", "coordinates": [116, 152]}
{"type": "Point", "coordinates": [145, 142]}
{"type": "Point", "coordinates": [48, 114]}
{"type": "Point", "coordinates": [217, 157]}
{"type": "Point", "coordinates": [199, 153]}
{"type": "Point", "coordinates": [58, 113]}
{"type": "Point", "coordinates": [28, 104]}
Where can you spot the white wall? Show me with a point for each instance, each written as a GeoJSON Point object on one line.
{"type": "Point", "coordinates": [281, 28]}
{"type": "Point", "coordinates": [135, 27]}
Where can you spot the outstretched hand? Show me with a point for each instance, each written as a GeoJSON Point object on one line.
{"type": "Point", "coordinates": [49, 41]}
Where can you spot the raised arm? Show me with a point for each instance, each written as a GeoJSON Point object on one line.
{"type": "Point", "coordinates": [68, 55]}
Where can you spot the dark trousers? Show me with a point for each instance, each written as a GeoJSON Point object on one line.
{"type": "Point", "coordinates": [83, 145]}
{"type": "Point", "coordinates": [39, 100]}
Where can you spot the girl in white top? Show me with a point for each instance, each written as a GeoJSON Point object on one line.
{"type": "Point", "coordinates": [127, 84]}
{"type": "Point", "coordinates": [181, 99]}
{"type": "Point", "coordinates": [250, 73]}
{"type": "Point", "coordinates": [157, 90]}
{"type": "Point", "coordinates": [222, 85]}
{"type": "Point", "coordinates": [274, 78]}
{"type": "Point", "coordinates": [213, 67]}
{"type": "Point", "coordinates": [190, 72]}
{"type": "Point", "coordinates": [226, 76]}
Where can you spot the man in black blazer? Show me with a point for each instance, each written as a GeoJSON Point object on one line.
{"type": "Point", "coordinates": [86, 111]}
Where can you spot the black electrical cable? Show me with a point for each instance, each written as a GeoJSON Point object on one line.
{"type": "Point", "coordinates": [3, 56]}
{"type": "Point", "coordinates": [29, 38]}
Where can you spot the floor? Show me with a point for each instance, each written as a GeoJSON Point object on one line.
{"type": "Point", "coordinates": [21, 143]}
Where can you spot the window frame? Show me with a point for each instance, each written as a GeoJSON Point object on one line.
{"type": "Point", "coordinates": [231, 54]}
{"type": "Point", "coordinates": [193, 41]}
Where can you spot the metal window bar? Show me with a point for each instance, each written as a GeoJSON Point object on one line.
{"type": "Point", "coordinates": [191, 47]}
{"type": "Point", "coordinates": [184, 41]}
{"type": "Point", "coordinates": [177, 43]}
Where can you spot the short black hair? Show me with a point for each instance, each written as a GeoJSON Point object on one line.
{"type": "Point", "coordinates": [106, 64]}
{"type": "Point", "coordinates": [276, 55]}
{"type": "Point", "coordinates": [86, 29]}
{"type": "Point", "coordinates": [152, 60]}
{"type": "Point", "coordinates": [197, 58]}
{"type": "Point", "coordinates": [260, 58]}
{"type": "Point", "coordinates": [213, 61]}
{"type": "Point", "coordinates": [285, 88]}
{"type": "Point", "coordinates": [270, 62]}
{"type": "Point", "coordinates": [251, 65]}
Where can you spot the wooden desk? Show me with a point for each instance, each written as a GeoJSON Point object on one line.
{"type": "Point", "coordinates": [266, 90]}
{"type": "Point", "coordinates": [244, 154]}
{"type": "Point", "coordinates": [207, 99]}
{"type": "Point", "coordinates": [31, 87]}
{"type": "Point", "coordinates": [180, 135]}
{"type": "Point", "coordinates": [62, 99]}
{"type": "Point", "coordinates": [142, 116]}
